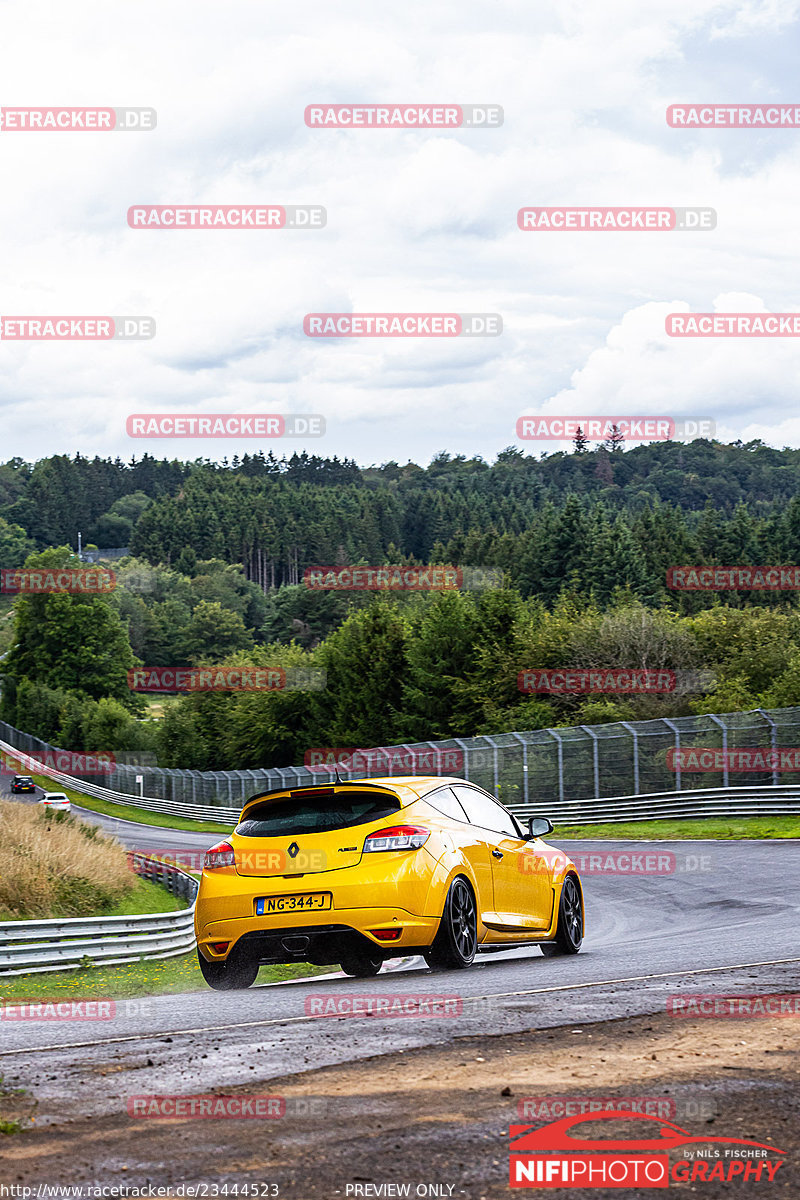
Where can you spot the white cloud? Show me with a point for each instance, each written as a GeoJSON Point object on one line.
{"type": "Point", "coordinates": [416, 221]}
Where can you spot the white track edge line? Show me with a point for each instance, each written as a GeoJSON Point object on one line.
{"type": "Point", "coordinates": [569, 987]}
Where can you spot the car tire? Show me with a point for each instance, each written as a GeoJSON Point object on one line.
{"type": "Point", "coordinates": [569, 931]}
{"type": "Point", "coordinates": [361, 966]}
{"type": "Point", "coordinates": [228, 976]}
{"type": "Point", "coordinates": [456, 941]}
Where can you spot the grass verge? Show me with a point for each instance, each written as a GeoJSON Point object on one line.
{"type": "Point", "coordinates": [145, 897]}
{"type": "Point", "coordinates": [167, 976]}
{"type": "Point", "coordinates": [687, 829]}
{"type": "Point", "coordinates": [54, 865]}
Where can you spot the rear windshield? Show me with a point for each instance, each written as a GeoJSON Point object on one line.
{"type": "Point", "coordinates": [316, 814]}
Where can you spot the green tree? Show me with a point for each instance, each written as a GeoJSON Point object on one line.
{"type": "Point", "coordinates": [71, 642]}
{"type": "Point", "coordinates": [15, 545]}
{"type": "Point", "coordinates": [213, 632]}
{"type": "Point", "coordinates": [366, 664]}
{"type": "Point", "coordinates": [109, 727]}
{"type": "Point", "coordinates": [180, 741]}
{"type": "Point", "coordinates": [580, 443]}
{"type": "Point", "coordinates": [441, 652]}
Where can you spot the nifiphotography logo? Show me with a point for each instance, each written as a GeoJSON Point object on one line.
{"type": "Point", "coordinates": [551, 1156]}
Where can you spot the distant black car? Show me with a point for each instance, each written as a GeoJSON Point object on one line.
{"type": "Point", "coordinates": [22, 783]}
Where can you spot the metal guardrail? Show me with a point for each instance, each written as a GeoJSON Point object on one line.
{"type": "Point", "coordinates": [172, 808]}
{"type": "Point", "coordinates": [783, 800]}
{"type": "Point", "coordinates": [65, 944]}
{"type": "Point", "coordinates": [564, 764]}
{"type": "Point", "coordinates": [28, 947]}
{"type": "Point", "coordinates": [167, 875]}
{"type": "Point", "coordinates": [746, 801]}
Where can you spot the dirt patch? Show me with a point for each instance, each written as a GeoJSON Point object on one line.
{"type": "Point", "coordinates": [438, 1117]}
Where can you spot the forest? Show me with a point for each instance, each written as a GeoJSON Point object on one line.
{"type": "Point", "coordinates": [577, 549]}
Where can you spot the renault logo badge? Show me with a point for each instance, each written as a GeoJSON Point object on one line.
{"type": "Point", "coordinates": [293, 850]}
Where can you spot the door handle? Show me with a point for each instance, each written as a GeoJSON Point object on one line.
{"type": "Point", "coordinates": [497, 854]}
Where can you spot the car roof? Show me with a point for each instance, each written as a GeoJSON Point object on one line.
{"type": "Point", "coordinates": [63, 795]}
{"type": "Point", "coordinates": [407, 788]}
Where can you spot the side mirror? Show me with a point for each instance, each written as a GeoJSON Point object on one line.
{"type": "Point", "coordinates": [539, 826]}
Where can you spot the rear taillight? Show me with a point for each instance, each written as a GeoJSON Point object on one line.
{"type": "Point", "coordinates": [219, 856]}
{"type": "Point", "coordinates": [399, 837]}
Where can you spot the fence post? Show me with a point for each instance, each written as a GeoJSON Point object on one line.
{"type": "Point", "coordinates": [595, 758]}
{"type": "Point", "coordinates": [774, 743]}
{"type": "Point", "coordinates": [460, 742]}
{"type": "Point", "coordinates": [724, 729]}
{"type": "Point", "coordinates": [521, 739]}
{"type": "Point", "coordinates": [677, 733]}
{"type": "Point", "coordinates": [627, 725]}
{"type": "Point", "coordinates": [560, 744]}
{"type": "Point", "coordinates": [494, 746]}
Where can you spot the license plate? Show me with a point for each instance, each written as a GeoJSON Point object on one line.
{"type": "Point", "coordinates": [310, 902]}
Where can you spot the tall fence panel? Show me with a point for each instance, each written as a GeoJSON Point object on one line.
{"type": "Point", "coordinates": [553, 770]}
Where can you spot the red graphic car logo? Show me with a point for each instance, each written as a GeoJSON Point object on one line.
{"type": "Point", "coordinates": [555, 1136]}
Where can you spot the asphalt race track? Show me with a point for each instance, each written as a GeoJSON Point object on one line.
{"type": "Point", "coordinates": [722, 917]}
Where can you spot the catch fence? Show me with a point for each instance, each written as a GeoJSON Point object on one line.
{"type": "Point", "coordinates": [565, 772]}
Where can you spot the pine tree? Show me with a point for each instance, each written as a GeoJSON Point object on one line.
{"type": "Point", "coordinates": [580, 443]}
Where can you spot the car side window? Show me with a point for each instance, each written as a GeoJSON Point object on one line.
{"type": "Point", "coordinates": [445, 802]}
{"type": "Point", "coordinates": [484, 811]}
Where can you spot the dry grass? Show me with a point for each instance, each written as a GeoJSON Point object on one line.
{"type": "Point", "coordinates": [52, 864]}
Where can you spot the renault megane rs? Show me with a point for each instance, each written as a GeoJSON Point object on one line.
{"type": "Point", "coordinates": [355, 873]}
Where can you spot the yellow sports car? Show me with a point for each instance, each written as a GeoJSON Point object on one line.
{"type": "Point", "coordinates": [355, 873]}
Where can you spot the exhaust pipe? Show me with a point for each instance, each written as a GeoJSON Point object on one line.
{"type": "Point", "coordinates": [296, 945]}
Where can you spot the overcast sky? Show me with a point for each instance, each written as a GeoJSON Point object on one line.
{"type": "Point", "coordinates": [417, 221]}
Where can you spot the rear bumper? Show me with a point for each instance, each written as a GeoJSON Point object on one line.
{"type": "Point", "coordinates": [321, 945]}
{"type": "Point", "coordinates": [322, 937]}
{"type": "Point", "coordinates": [402, 893]}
